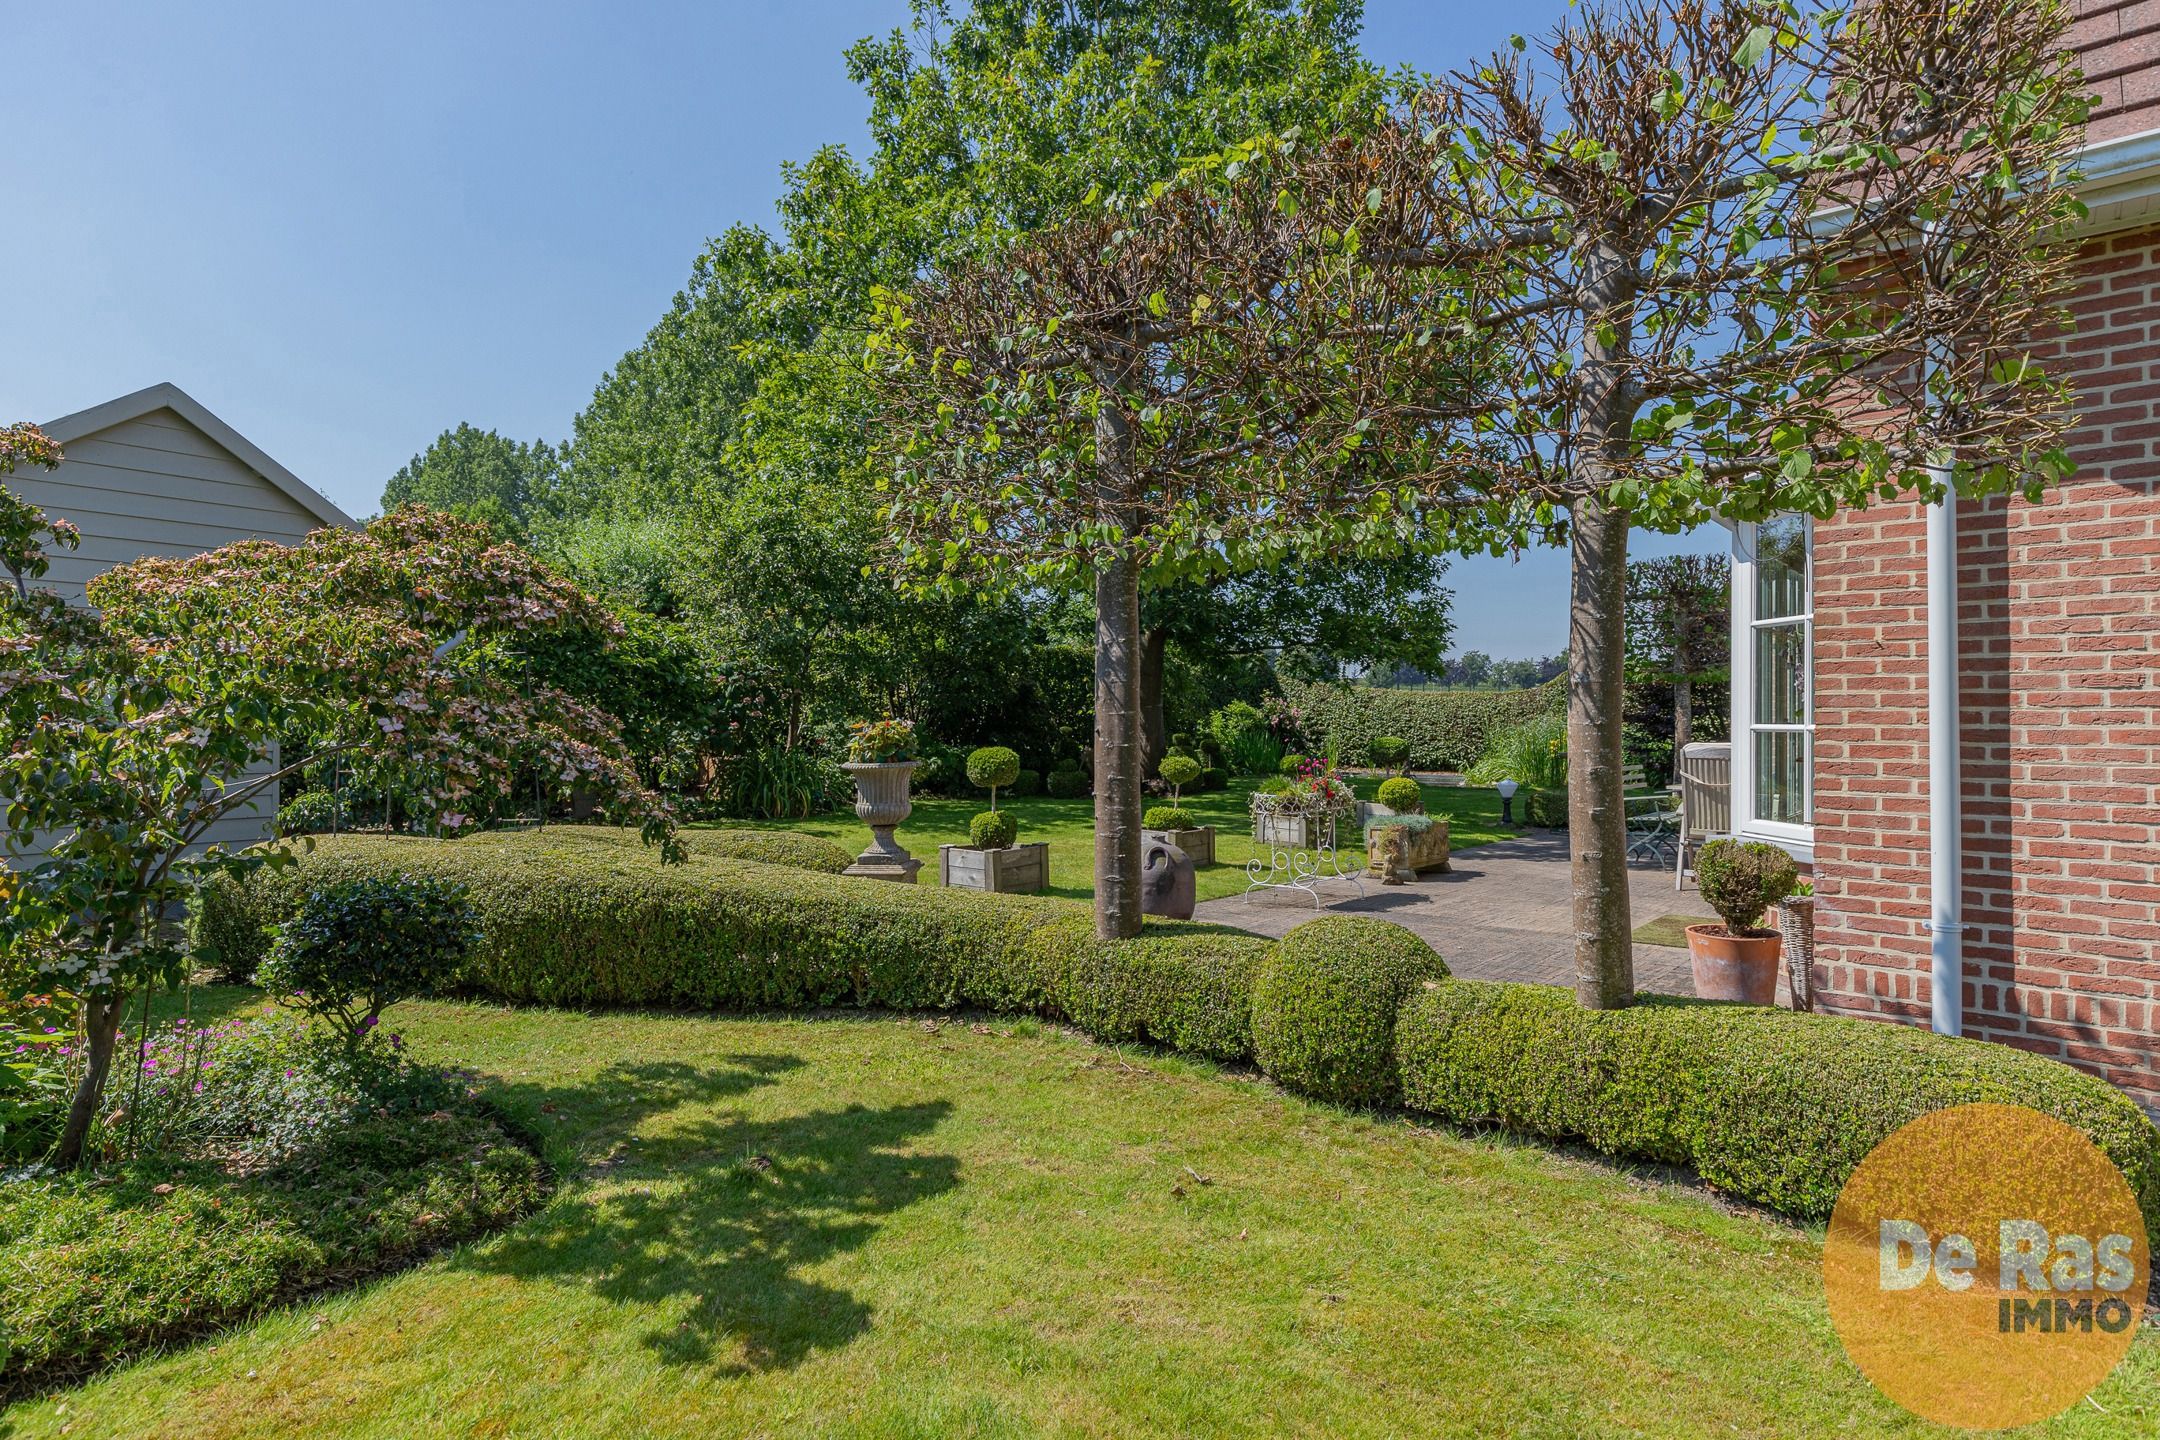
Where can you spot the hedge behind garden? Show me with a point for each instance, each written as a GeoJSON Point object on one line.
{"type": "Point", "coordinates": [1447, 729]}
{"type": "Point", "coordinates": [1767, 1105]}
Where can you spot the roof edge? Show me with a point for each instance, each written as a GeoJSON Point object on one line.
{"type": "Point", "coordinates": [168, 396]}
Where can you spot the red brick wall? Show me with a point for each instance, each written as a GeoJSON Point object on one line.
{"type": "Point", "coordinates": [2119, 43]}
{"type": "Point", "coordinates": [2060, 668]}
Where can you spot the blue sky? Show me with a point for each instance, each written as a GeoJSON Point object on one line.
{"type": "Point", "coordinates": [347, 228]}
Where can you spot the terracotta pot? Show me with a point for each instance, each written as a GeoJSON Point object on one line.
{"type": "Point", "coordinates": [1734, 967]}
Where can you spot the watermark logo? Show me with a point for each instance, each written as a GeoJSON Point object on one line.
{"type": "Point", "coordinates": [1986, 1266]}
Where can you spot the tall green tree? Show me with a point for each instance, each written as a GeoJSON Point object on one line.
{"type": "Point", "coordinates": [480, 476]}
{"type": "Point", "coordinates": [1679, 611]}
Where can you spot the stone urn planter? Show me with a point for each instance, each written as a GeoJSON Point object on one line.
{"type": "Point", "coordinates": [1397, 853]}
{"type": "Point", "coordinates": [1012, 870]}
{"type": "Point", "coordinates": [1198, 844]}
{"type": "Point", "coordinates": [881, 799]}
{"type": "Point", "coordinates": [1734, 967]}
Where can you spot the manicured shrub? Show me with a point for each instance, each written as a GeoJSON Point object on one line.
{"type": "Point", "coordinates": [1773, 1106]}
{"type": "Point", "coordinates": [358, 946]}
{"type": "Point", "coordinates": [992, 830]}
{"type": "Point", "coordinates": [1741, 880]}
{"type": "Point", "coordinates": [1324, 1006]}
{"type": "Point", "coordinates": [1185, 986]}
{"type": "Point", "coordinates": [1027, 782]}
{"type": "Point", "coordinates": [1178, 771]}
{"type": "Point", "coordinates": [1389, 752]}
{"type": "Point", "coordinates": [230, 921]}
{"type": "Point", "coordinates": [1214, 778]}
{"type": "Point", "coordinates": [1169, 817]}
{"type": "Point", "coordinates": [1445, 729]}
{"type": "Point", "coordinates": [1067, 783]}
{"type": "Point", "coordinates": [311, 812]}
{"type": "Point", "coordinates": [1402, 795]}
{"type": "Point", "coordinates": [992, 768]}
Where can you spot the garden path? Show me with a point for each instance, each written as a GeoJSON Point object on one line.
{"type": "Point", "coordinates": [1501, 913]}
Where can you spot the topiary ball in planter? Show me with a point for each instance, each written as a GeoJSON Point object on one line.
{"type": "Point", "coordinates": [992, 830]}
{"type": "Point", "coordinates": [1027, 782]}
{"type": "Point", "coordinates": [1169, 817]}
{"type": "Point", "coordinates": [1741, 881]}
{"type": "Point", "coordinates": [1402, 795]}
{"type": "Point", "coordinates": [992, 768]}
{"type": "Point", "coordinates": [1066, 784]}
{"type": "Point", "coordinates": [1324, 1006]}
{"type": "Point", "coordinates": [1178, 771]}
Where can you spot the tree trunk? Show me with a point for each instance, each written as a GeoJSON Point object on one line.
{"type": "Point", "coordinates": [1683, 714]}
{"type": "Point", "coordinates": [1154, 731]}
{"type": "Point", "coordinates": [1117, 690]}
{"type": "Point", "coordinates": [101, 1021]}
{"type": "Point", "coordinates": [1597, 814]}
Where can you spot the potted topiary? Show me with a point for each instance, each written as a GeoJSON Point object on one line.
{"type": "Point", "coordinates": [1738, 960]}
{"type": "Point", "coordinates": [990, 860]}
{"type": "Point", "coordinates": [1400, 838]}
{"type": "Point", "coordinates": [881, 757]}
{"type": "Point", "coordinates": [1173, 823]}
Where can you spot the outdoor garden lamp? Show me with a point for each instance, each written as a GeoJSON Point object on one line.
{"type": "Point", "coordinates": [1507, 801]}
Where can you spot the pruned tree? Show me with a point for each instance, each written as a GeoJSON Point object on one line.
{"type": "Point", "coordinates": [1679, 611]}
{"type": "Point", "coordinates": [1735, 257]}
{"type": "Point", "coordinates": [1147, 395]}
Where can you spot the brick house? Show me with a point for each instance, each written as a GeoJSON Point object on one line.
{"type": "Point", "coordinates": [2053, 921]}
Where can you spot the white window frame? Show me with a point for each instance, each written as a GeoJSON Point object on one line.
{"type": "Point", "coordinates": [1799, 840]}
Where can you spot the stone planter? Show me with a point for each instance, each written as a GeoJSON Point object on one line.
{"type": "Point", "coordinates": [1014, 870]}
{"type": "Point", "coordinates": [881, 800]}
{"type": "Point", "coordinates": [1199, 844]}
{"type": "Point", "coordinates": [1397, 854]}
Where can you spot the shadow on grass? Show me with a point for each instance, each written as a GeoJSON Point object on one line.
{"type": "Point", "coordinates": [711, 1218]}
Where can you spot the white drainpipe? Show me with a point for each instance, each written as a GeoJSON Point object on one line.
{"type": "Point", "coordinates": [1946, 847]}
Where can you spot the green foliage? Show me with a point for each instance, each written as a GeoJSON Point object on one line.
{"type": "Point", "coordinates": [1067, 782]}
{"type": "Point", "coordinates": [1770, 1106]}
{"type": "Point", "coordinates": [1214, 778]}
{"type": "Point", "coordinates": [1240, 734]}
{"type": "Point", "coordinates": [1292, 764]}
{"type": "Point", "coordinates": [1389, 751]}
{"type": "Point", "coordinates": [1742, 880]}
{"type": "Point", "coordinates": [773, 782]}
{"type": "Point", "coordinates": [1445, 729]}
{"type": "Point", "coordinates": [993, 830]}
{"type": "Point", "coordinates": [311, 812]}
{"type": "Point", "coordinates": [480, 476]}
{"type": "Point", "coordinates": [881, 742]}
{"type": "Point", "coordinates": [992, 768]}
{"type": "Point", "coordinates": [378, 1167]}
{"type": "Point", "coordinates": [584, 922]}
{"type": "Point", "coordinates": [1325, 1001]}
{"type": "Point", "coordinates": [1178, 771]}
{"type": "Point", "coordinates": [1027, 782]}
{"type": "Point", "coordinates": [1533, 754]}
{"type": "Point", "coordinates": [1401, 794]}
{"type": "Point", "coordinates": [359, 946]}
{"type": "Point", "coordinates": [1169, 817]}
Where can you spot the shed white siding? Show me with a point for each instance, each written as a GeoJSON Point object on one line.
{"type": "Point", "coordinates": [153, 473]}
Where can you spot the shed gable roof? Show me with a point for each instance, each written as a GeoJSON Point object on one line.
{"type": "Point", "coordinates": [168, 396]}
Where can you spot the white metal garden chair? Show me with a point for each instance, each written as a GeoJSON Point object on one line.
{"type": "Point", "coordinates": [1705, 774]}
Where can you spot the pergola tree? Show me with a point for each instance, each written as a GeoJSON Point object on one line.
{"type": "Point", "coordinates": [1733, 257]}
{"type": "Point", "coordinates": [128, 730]}
{"type": "Point", "coordinates": [1145, 396]}
{"type": "Point", "coordinates": [1678, 616]}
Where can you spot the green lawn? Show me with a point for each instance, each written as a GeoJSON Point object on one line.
{"type": "Point", "coordinates": [1069, 826]}
{"type": "Point", "coordinates": [880, 1226]}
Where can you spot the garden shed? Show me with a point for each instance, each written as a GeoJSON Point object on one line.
{"type": "Point", "coordinates": [155, 473]}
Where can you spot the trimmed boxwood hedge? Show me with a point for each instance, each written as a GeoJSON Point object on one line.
{"type": "Point", "coordinates": [1324, 1006]}
{"type": "Point", "coordinates": [1773, 1106]}
{"type": "Point", "coordinates": [1770, 1106]}
{"type": "Point", "coordinates": [1447, 729]}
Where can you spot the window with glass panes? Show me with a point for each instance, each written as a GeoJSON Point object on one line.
{"type": "Point", "coordinates": [1781, 729]}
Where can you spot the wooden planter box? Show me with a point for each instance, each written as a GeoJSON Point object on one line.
{"type": "Point", "coordinates": [1198, 844]}
{"type": "Point", "coordinates": [1014, 870]}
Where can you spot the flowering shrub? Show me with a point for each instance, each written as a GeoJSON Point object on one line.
{"type": "Point", "coordinates": [881, 742]}
{"type": "Point", "coordinates": [34, 1035]}
{"type": "Point", "coordinates": [1316, 790]}
{"type": "Point", "coordinates": [359, 946]}
{"type": "Point", "coordinates": [130, 729]}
